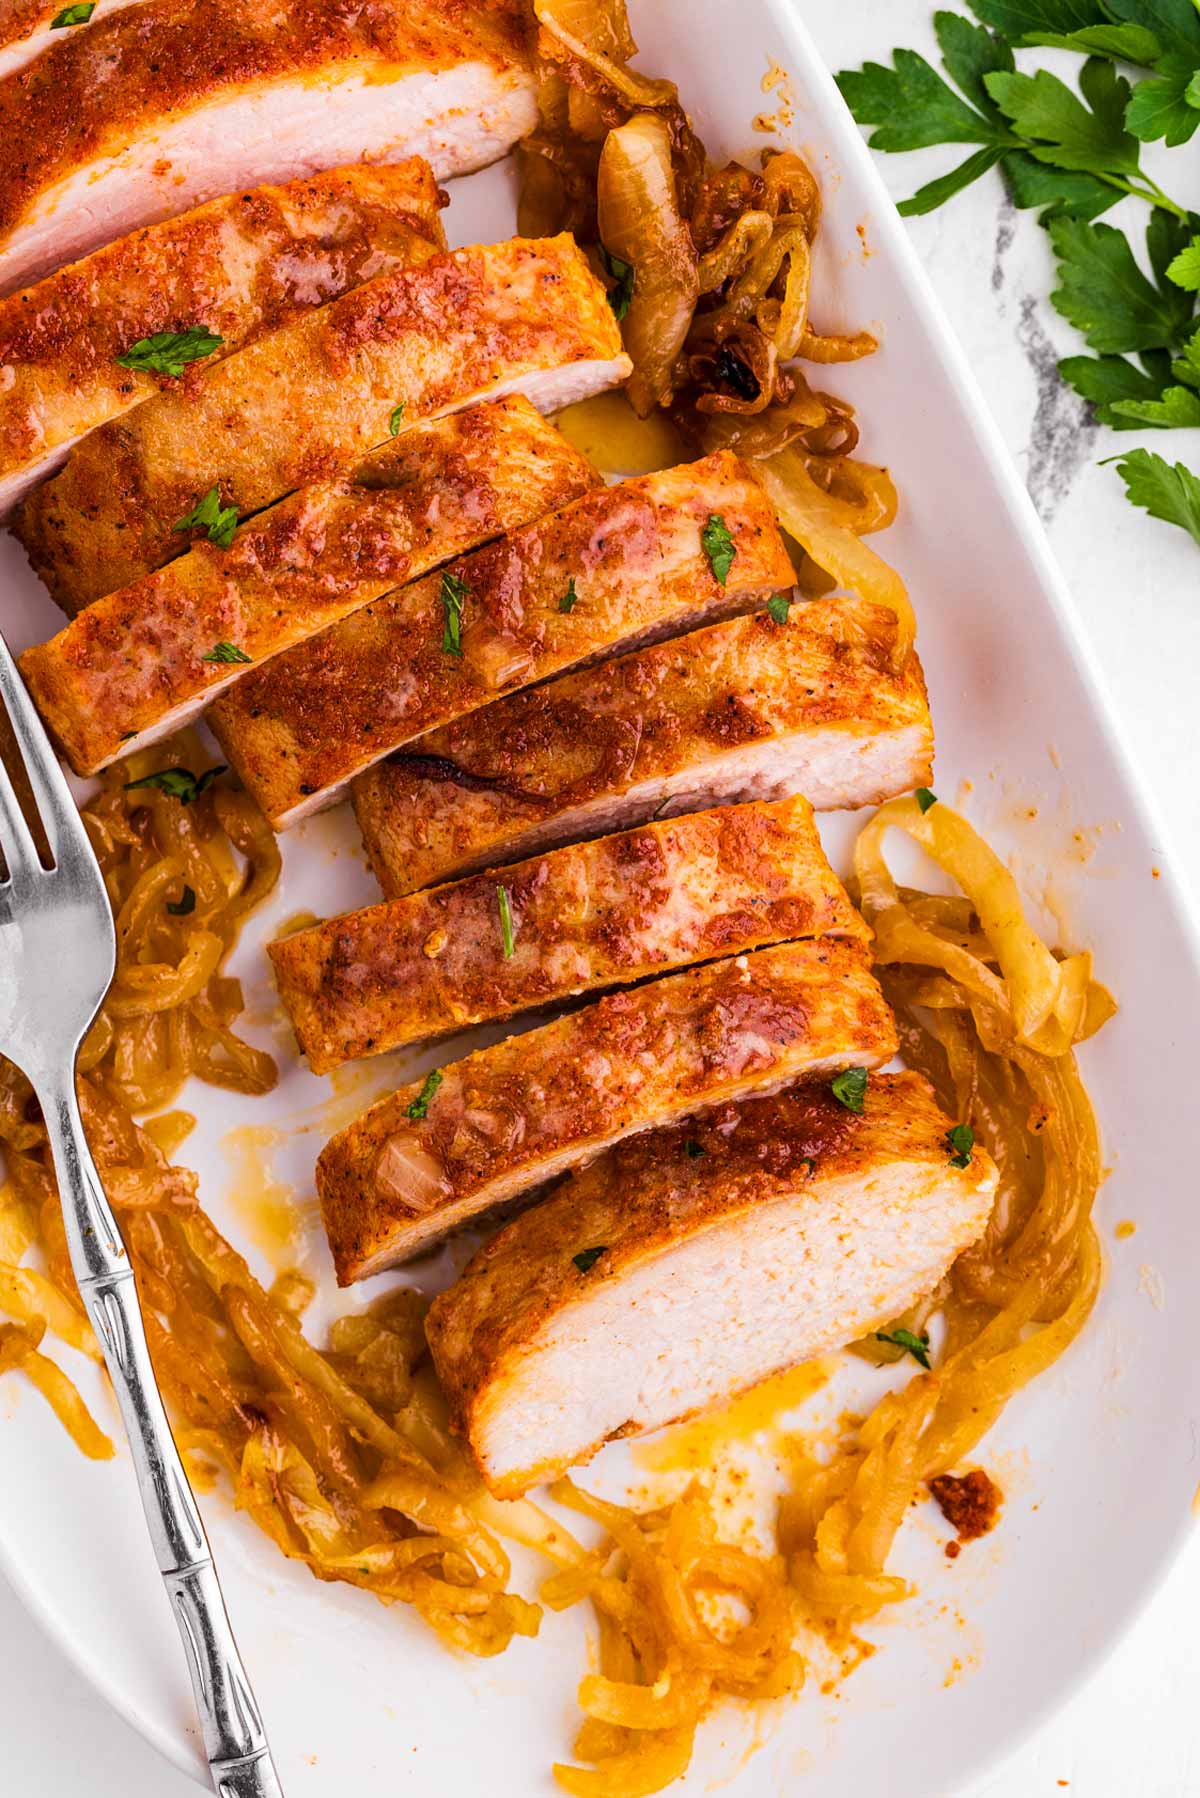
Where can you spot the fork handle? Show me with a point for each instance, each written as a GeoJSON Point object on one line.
{"type": "Point", "coordinates": [234, 1739]}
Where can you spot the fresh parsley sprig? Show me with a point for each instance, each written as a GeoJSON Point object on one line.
{"type": "Point", "coordinates": [1071, 156]}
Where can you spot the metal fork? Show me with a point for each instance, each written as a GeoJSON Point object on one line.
{"type": "Point", "coordinates": [57, 959]}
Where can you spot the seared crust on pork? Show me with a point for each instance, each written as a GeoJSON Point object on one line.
{"type": "Point", "coordinates": [137, 664]}
{"type": "Point", "coordinates": [590, 915]}
{"type": "Point", "coordinates": [621, 564]}
{"type": "Point", "coordinates": [748, 709]}
{"type": "Point", "coordinates": [730, 1247]}
{"type": "Point", "coordinates": [241, 266]}
{"type": "Point", "coordinates": [306, 402]}
{"type": "Point", "coordinates": [154, 108]}
{"type": "Point", "coordinates": [509, 1117]}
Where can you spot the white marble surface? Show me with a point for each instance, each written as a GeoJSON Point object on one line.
{"type": "Point", "coordinates": [1133, 1731]}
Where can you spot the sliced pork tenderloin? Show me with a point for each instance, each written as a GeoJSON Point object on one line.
{"type": "Point", "coordinates": [238, 266]}
{"type": "Point", "coordinates": [587, 916]}
{"type": "Point", "coordinates": [691, 1263]}
{"type": "Point", "coordinates": [157, 107]}
{"type": "Point", "coordinates": [749, 709]}
{"type": "Point", "coordinates": [138, 664]}
{"type": "Point", "coordinates": [487, 1129]}
{"type": "Point", "coordinates": [306, 402]}
{"type": "Point", "coordinates": [27, 27]}
{"type": "Point", "coordinates": [622, 565]}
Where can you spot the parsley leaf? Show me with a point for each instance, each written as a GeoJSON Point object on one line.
{"type": "Point", "coordinates": [1060, 129]}
{"type": "Point", "coordinates": [1124, 43]}
{"type": "Point", "coordinates": [925, 799]}
{"type": "Point", "coordinates": [1104, 293]}
{"type": "Point", "coordinates": [969, 53]}
{"type": "Point", "coordinates": [936, 193]}
{"type": "Point", "coordinates": [694, 1149]}
{"type": "Point", "coordinates": [1163, 107]}
{"type": "Point", "coordinates": [184, 905]}
{"type": "Point", "coordinates": [1186, 368]}
{"type": "Point", "coordinates": [916, 1346]}
{"type": "Point", "coordinates": [1177, 409]}
{"type": "Point", "coordinates": [169, 352]}
{"type": "Point", "coordinates": [1063, 193]}
{"type": "Point", "coordinates": [1175, 23]}
{"type": "Point", "coordinates": [1104, 380]}
{"type": "Point", "coordinates": [507, 937]}
{"type": "Point", "coordinates": [178, 783]}
{"type": "Point", "coordinates": [209, 515]}
{"type": "Point", "coordinates": [454, 593]}
{"type": "Point", "coordinates": [1184, 270]}
{"type": "Point", "coordinates": [1017, 19]}
{"type": "Point", "coordinates": [73, 15]}
{"type": "Point", "coordinates": [849, 1088]}
{"type": "Point", "coordinates": [567, 602]}
{"type": "Point", "coordinates": [960, 1140]}
{"type": "Point", "coordinates": [719, 547]}
{"type": "Point", "coordinates": [912, 107]}
{"type": "Point", "coordinates": [395, 418]}
{"type": "Point", "coordinates": [225, 652]}
{"type": "Point", "coordinates": [587, 1258]}
{"type": "Point", "coordinates": [625, 277]}
{"type": "Point", "coordinates": [420, 1105]}
{"type": "Point", "coordinates": [778, 608]}
{"type": "Point", "coordinates": [1172, 494]}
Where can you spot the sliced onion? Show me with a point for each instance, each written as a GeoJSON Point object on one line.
{"type": "Point", "coordinates": [597, 32]}
{"type": "Point", "coordinates": [640, 222]}
{"type": "Point", "coordinates": [816, 520]}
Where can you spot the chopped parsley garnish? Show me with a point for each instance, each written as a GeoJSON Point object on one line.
{"type": "Point", "coordinates": [454, 593]}
{"type": "Point", "coordinates": [73, 15]}
{"type": "Point", "coordinates": [719, 546]}
{"type": "Point", "coordinates": [567, 602]}
{"type": "Point", "coordinates": [184, 905]}
{"type": "Point", "coordinates": [779, 607]}
{"type": "Point", "coordinates": [225, 652]}
{"type": "Point", "coordinates": [623, 275]}
{"type": "Point", "coordinates": [209, 515]}
{"type": "Point", "coordinates": [960, 1140]}
{"type": "Point", "coordinates": [507, 938]}
{"type": "Point", "coordinates": [169, 352]}
{"type": "Point", "coordinates": [395, 417]}
{"type": "Point", "coordinates": [925, 799]}
{"type": "Point", "coordinates": [421, 1103]}
{"type": "Point", "coordinates": [916, 1346]}
{"type": "Point", "coordinates": [849, 1088]}
{"type": "Point", "coordinates": [587, 1258]}
{"type": "Point", "coordinates": [178, 783]}
{"type": "Point", "coordinates": [694, 1149]}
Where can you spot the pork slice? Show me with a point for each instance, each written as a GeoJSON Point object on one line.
{"type": "Point", "coordinates": [591, 915]}
{"type": "Point", "coordinates": [156, 107]}
{"type": "Point", "coordinates": [618, 566]}
{"type": "Point", "coordinates": [27, 28]}
{"type": "Point", "coordinates": [136, 665]}
{"type": "Point", "coordinates": [432, 1156]}
{"type": "Point", "coordinates": [748, 709]}
{"type": "Point", "coordinates": [691, 1263]}
{"type": "Point", "coordinates": [306, 402]}
{"type": "Point", "coordinates": [239, 266]}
